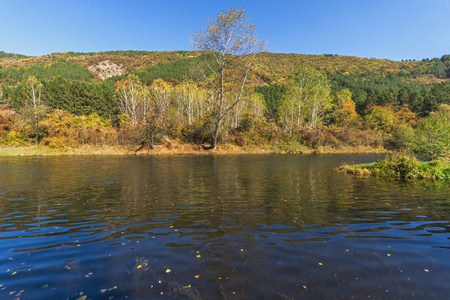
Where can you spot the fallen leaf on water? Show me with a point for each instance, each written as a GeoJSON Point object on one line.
{"type": "Point", "coordinates": [13, 273]}
{"type": "Point", "coordinates": [426, 270]}
{"type": "Point", "coordinates": [305, 287]}
{"type": "Point", "coordinates": [45, 286]}
{"type": "Point", "coordinates": [168, 270]}
{"type": "Point", "coordinates": [198, 256]}
{"type": "Point", "coordinates": [82, 297]}
{"type": "Point", "coordinates": [103, 290]}
{"type": "Point", "coordinates": [197, 276]}
{"type": "Point", "coordinates": [159, 281]}
{"type": "Point", "coordinates": [388, 254]}
{"type": "Point", "coordinates": [320, 264]}
{"type": "Point", "coordinates": [139, 266]}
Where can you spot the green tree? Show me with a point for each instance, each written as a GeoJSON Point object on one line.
{"type": "Point", "coordinates": [432, 137]}
{"type": "Point", "coordinates": [234, 44]}
{"type": "Point", "coordinates": [380, 119]}
{"type": "Point", "coordinates": [306, 101]}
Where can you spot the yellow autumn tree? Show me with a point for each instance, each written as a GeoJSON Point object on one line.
{"type": "Point", "coordinates": [345, 112]}
{"type": "Point", "coordinates": [234, 44]}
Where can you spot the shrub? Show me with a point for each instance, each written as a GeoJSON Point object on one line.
{"type": "Point", "coordinates": [432, 137]}
{"type": "Point", "coordinates": [18, 136]}
{"type": "Point", "coordinates": [403, 168]}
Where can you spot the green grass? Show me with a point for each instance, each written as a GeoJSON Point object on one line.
{"type": "Point", "coordinates": [402, 168]}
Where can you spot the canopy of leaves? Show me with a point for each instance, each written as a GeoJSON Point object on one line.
{"type": "Point", "coordinates": [67, 70]}
{"type": "Point", "coordinates": [433, 135]}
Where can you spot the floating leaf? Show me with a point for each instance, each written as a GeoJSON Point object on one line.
{"type": "Point", "coordinates": [197, 276]}
{"type": "Point", "coordinates": [82, 297]}
{"type": "Point", "coordinates": [426, 270]}
{"type": "Point", "coordinates": [388, 254]}
{"type": "Point", "coordinates": [320, 264]}
{"type": "Point", "coordinates": [139, 266]}
{"type": "Point", "coordinates": [45, 286]}
{"type": "Point", "coordinates": [198, 256]}
{"type": "Point", "coordinates": [168, 270]}
{"type": "Point", "coordinates": [13, 273]}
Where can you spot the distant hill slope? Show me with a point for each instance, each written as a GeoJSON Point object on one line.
{"type": "Point", "coordinates": [10, 55]}
{"type": "Point", "coordinates": [269, 68]}
{"type": "Point", "coordinates": [84, 82]}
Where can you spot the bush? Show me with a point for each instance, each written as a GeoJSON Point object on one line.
{"type": "Point", "coordinates": [62, 129]}
{"type": "Point", "coordinates": [19, 136]}
{"type": "Point", "coordinates": [403, 168]}
{"type": "Point", "coordinates": [432, 137]}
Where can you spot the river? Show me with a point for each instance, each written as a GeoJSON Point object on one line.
{"type": "Point", "coordinates": [218, 227]}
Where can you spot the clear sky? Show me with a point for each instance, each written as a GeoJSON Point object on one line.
{"type": "Point", "coordinates": [393, 29]}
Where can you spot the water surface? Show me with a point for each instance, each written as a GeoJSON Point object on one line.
{"type": "Point", "coordinates": [217, 227]}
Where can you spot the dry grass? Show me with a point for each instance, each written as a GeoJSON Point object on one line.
{"type": "Point", "coordinates": [355, 171]}
{"type": "Point", "coordinates": [176, 149]}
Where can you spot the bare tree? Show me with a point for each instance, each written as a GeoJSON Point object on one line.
{"type": "Point", "coordinates": [33, 110]}
{"type": "Point", "coordinates": [34, 90]}
{"type": "Point", "coordinates": [234, 44]}
{"type": "Point", "coordinates": [132, 98]}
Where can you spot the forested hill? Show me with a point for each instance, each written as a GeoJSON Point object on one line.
{"type": "Point", "coordinates": [270, 68]}
{"type": "Point", "coordinates": [423, 85]}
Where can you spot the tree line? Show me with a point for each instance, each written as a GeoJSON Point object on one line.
{"type": "Point", "coordinates": [312, 108]}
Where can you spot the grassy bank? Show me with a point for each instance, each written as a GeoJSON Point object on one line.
{"type": "Point", "coordinates": [178, 149]}
{"type": "Point", "coordinates": [401, 168]}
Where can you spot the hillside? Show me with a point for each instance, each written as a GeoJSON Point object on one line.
{"type": "Point", "coordinates": [269, 67]}
{"type": "Point", "coordinates": [68, 100]}
{"type": "Point", "coordinates": [423, 85]}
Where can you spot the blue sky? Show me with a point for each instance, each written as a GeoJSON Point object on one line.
{"type": "Point", "coordinates": [393, 29]}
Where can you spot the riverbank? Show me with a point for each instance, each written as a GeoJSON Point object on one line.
{"type": "Point", "coordinates": [401, 168]}
{"type": "Point", "coordinates": [181, 149]}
